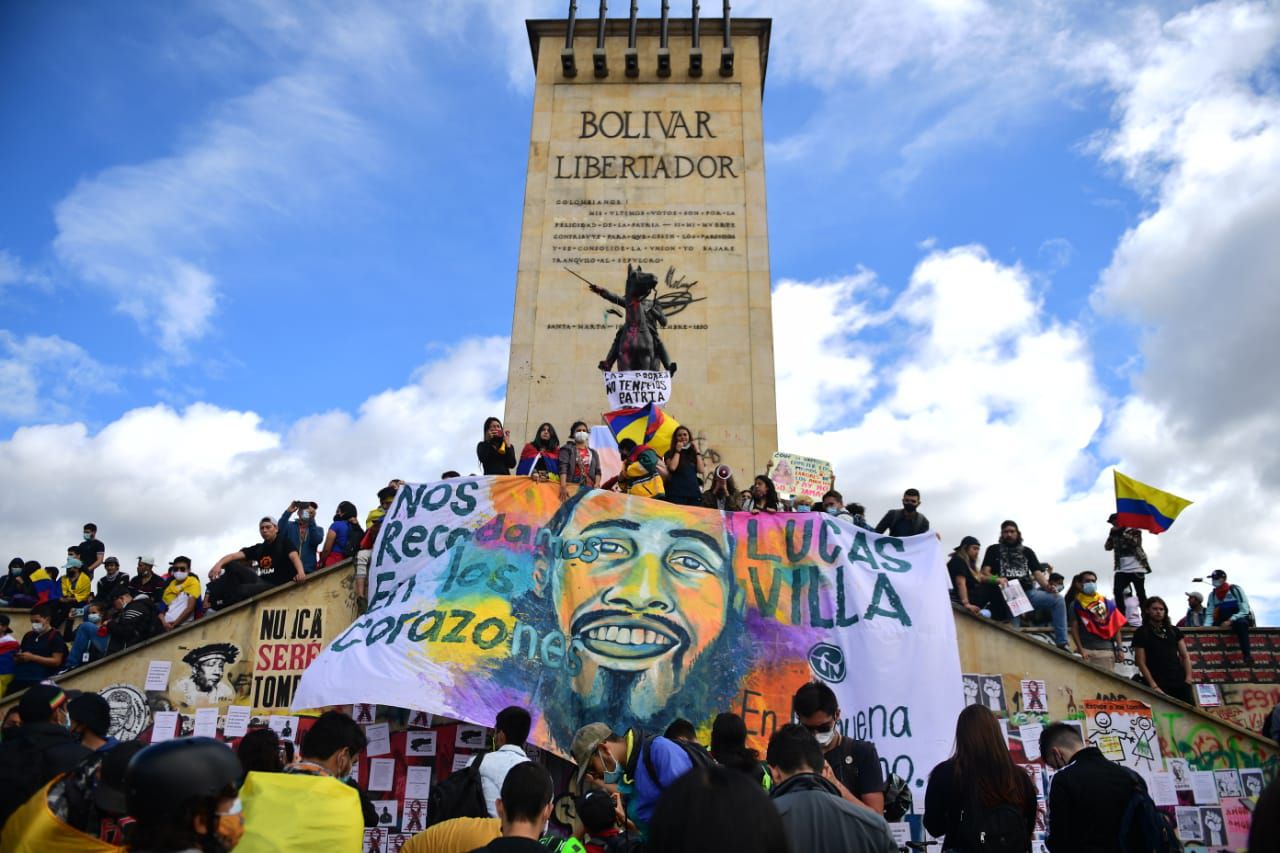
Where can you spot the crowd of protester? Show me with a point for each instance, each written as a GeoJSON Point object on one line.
{"type": "Point", "coordinates": [814, 790]}
{"type": "Point", "coordinates": [89, 607]}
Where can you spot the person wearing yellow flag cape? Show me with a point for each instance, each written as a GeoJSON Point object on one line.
{"type": "Point", "coordinates": [285, 812]}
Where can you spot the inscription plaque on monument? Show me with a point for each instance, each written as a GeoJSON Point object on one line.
{"type": "Point", "coordinates": [663, 174]}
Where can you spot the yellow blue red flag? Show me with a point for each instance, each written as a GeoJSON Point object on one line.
{"type": "Point", "coordinates": [646, 425]}
{"type": "Point", "coordinates": [1145, 507]}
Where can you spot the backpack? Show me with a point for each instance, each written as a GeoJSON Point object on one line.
{"type": "Point", "coordinates": [696, 752]}
{"type": "Point", "coordinates": [1145, 828]}
{"type": "Point", "coordinates": [351, 545]}
{"type": "Point", "coordinates": [461, 794]}
{"type": "Point", "coordinates": [1000, 829]}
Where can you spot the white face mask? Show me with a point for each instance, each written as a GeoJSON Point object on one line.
{"type": "Point", "coordinates": [825, 738]}
{"type": "Point", "coordinates": [581, 437]}
{"type": "Point", "coordinates": [179, 575]}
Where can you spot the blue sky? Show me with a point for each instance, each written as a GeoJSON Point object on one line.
{"type": "Point", "coordinates": [257, 238]}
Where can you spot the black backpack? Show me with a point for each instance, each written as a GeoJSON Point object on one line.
{"type": "Point", "coordinates": [999, 829]}
{"type": "Point", "coordinates": [1144, 828]}
{"type": "Point", "coordinates": [623, 842]}
{"type": "Point", "coordinates": [697, 754]}
{"type": "Point", "coordinates": [461, 794]}
{"type": "Point", "coordinates": [351, 546]}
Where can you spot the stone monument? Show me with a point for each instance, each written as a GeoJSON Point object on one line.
{"type": "Point", "coordinates": [646, 158]}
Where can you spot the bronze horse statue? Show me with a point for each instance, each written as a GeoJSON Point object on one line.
{"type": "Point", "coordinates": [637, 346]}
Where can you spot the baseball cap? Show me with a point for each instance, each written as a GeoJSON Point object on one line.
{"type": "Point", "coordinates": [111, 561]}
{"type": "Point", "coordinates": [585, 742]}
{"type": "Point", "coordinates": [1218, 573]}
{"type": "Point", "coordinates": [148, 559]}
{"type": "Point", "coordinates": [1198, 596]}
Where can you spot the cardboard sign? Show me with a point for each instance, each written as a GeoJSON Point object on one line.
{"type": "Point", "coordinates": [794, 475]}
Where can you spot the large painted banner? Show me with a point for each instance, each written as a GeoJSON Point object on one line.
{"type": "Point", "coordinates": [488, 592]}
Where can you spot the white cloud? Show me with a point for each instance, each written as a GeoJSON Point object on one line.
{"type": "Point", "coordinates": [47, 378]}
{"type": "Point", "coordinates": [14, 271]}
{"type": "Point", "coordinates": [196, 481]}
{"type": "Point", "coordinates": [985, 404]}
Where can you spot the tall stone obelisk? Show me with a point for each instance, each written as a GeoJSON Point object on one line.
{"type": "Point", "coordinates": [631, 166]}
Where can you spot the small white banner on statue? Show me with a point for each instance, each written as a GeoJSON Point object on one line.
{"type": "Point", "coordinates": [631, 389]}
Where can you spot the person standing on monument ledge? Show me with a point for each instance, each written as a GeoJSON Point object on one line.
{"type": "Point", "coordinates": [578, 463]}
{"type": "Point", "coordinates": [908, 521]}
{"type": "Point", "coordinates": [495, 452]}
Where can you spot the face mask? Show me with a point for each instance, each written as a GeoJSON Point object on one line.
{"type": "Point", "coordinates": [72, 563]}
{"type": "Point", "coordinates": [581, 437]}
{"type": "Point", "coordinates": [229, 827]}
{"type": "Point", "coordinates": [179, 576]}
{"type": "Point", "coordinates": [1090, 588]}
{"type": "Point", "coordinates": [88, 536]}
{"type": "Point", "coordinates": [825, 738]}
{"type": "Point", "coordinates": [66, 721]}
{"type": "Point", "coordinates": [95, 618]}
{"type": "Point", "coordinates": [16, 570]}
{"type": "Point", "coordinates": [832, 510]}
{"type": "Point", "coordinates": [1220, 582]}
{"type": "Point", "coordinates": [614, 776]}
{"type": "Point", "coordinates": [39, 627]}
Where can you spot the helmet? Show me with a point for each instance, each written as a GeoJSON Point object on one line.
{"type": "Point", "coordinates": [897, 798]}
{"type": "Point", "coordinates": [164, 777]}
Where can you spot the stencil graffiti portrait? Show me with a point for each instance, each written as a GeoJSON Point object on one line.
{"type": "Point", "coordinates": [489, 592]}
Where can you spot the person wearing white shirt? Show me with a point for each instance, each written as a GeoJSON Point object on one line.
{"type": "Point", "coordinates": [511, 730]}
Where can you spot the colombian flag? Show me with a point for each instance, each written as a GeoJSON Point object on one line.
{"type": "Point", "coordinates": [1145, 507]}
{"type": "Point", "coordinates": [531, 459]}
{"type": "Point", "coordinates": [648, 425]}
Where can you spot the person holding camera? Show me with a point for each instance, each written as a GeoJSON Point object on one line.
{"type": "Point", "coordinates": [302, 533]}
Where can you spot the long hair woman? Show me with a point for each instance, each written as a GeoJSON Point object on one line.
{"type": "Point", "coordinates": [494, 451]}
{"type": "Point", "coordinates": [1161, 654]}
{"type": "Point", "coordinates": [540, 458]}
{"type": "Point", "coordinates": [685, 469]}
{"type": "Point", "coordinates": [343, 537]}
{"type": "Point", "coordinates": [979, 787]}
{"type": "Point", "coordinates": [764, 496]}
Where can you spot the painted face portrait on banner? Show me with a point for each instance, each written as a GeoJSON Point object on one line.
{"type": "Point", "coordinates": [647, 603]}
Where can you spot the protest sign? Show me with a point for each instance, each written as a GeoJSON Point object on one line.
{"type": "Point", "coordinates": [794, 475]}
{"type": "Point", "coordinates": [1016, 597]}
{"type": "Point", "coordinates": [1124, 732]}
{"type": "Point", "coordinates": [631, 389]}
{"type": "Point", "coordinates": [488, 592]}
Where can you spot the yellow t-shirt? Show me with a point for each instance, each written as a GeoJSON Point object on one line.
{"type": "Point", "coordinates": [459, 835]}
{"type": "Point", "coordinates": [80, 592]}
{"type": "Point", "coordinates": [191, 586]}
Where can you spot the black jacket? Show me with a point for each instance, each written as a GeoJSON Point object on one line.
{"type": "Point", "coordinates": [137, 622]}
{"type": "Point", "coordinates": [818, 820]}
{"type": "Point", "coordinates": [30, 757]}
{"type": "Point", "coordinates": [1087, 801]}
{"type": "Point", "coordinates": [493, 462]}
{"type": "Point", "coordinates": [109, 588]}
